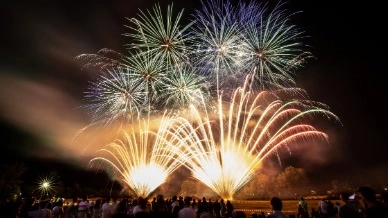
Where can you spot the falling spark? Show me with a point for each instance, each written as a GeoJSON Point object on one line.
{"type": "Point", "coordinates": [144, 158]}
{"type": "Point", "coordinates": [224, 151]}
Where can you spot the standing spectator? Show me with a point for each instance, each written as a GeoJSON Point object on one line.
{"type": "Point", "coordinates": [187, 211]}
{"type": "Point", "coordinates": [107, 208]}
{"type": "Point", "coordinates": [384, 199]}
{"type": "Point", "coordinates": [303, 211]}
{"type": "Point", "coordinates": [58, 209]}
{"type": "Point", "coordinates": [323, 208]}
{"type": "Point", "coordinates": [96, 213]}
{"type": "Point", "coordinates": [194, 205]}
{"type": "Point", "coordinates": [217, 208]}
{"type": "Point", "coordinates": [83, 208]}
{"type": "Point", "coordinates": [160, 208]}
{"type": "Point", "coordinates": [71, 209]}
{"type": "Point", "coordinates": [121, 210]}
{"type": "Point", "coordinates": [203, 207]}
{"type": "Point", "coordinates": [140, 208]}
{"type": "Point", "coordinates": [24, 208]}
{"type": "Point", "coordinates": [174, 206]}
{"type": "Point", "coordinates": [229, 209]}
{"type": "Point", "coordinates": [46, 209]}
{"type": "Point", "coordinates": [369, 205]}
{"type": "Point", "coordinates": [348, 209]}
{"type": "Point", "coordinates": [240, 214]}
{"type": "Point", "coordinates": [277, 206]}
{"type": "Point", "coordinates": [210, 207]}
{"type": "Point", "coordinates": [35, 211]}
{"type": "Point", "coordinates": [181, 202]}
{"type": "Point", "coordinates": [223, 207]}
{"type": "Point", "coordinates": [314, 213]}
{"type": "Point", "coordinates": [337, 206]}
{"type": "Point", "coordinates": [262, 215]}
{"type": "Point", "coordinates": [254, 215]}
{"type": "Point", "coordinates": [330, 209]}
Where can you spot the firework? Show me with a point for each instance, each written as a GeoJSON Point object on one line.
{"type": "Point", "coordinates": [145, 158]}
{"type": "Point", "coordinates": [116, 96]}
{"type": "Point", "coordinates": [104, 59]}
{"type": "Point", "coordinates": [177, 67]}
{"type": "Point", "coordinates": [225, 150]}
{"type": "Point", "coordinates": [160, 37]}
{"type": "Point", "coordinates": [183, 87]}
{"type": "Point", "coordinates": [149, 72]}
{"type": "Point", "coordinates": [219, 46]}
{"type": "Point", "coordinates": [47, 184]}
{"type": "Point", "coordinates": [274, 49]}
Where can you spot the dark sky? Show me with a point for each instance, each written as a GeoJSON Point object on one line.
{"type": "Point", "coordinates": [41, 83]}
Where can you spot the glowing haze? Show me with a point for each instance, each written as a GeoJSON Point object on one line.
{"type": "Point", "coordinates": [224, 150]}
{"type": "Point", "coordinates": [218, 129]}
{"type": "Point", "coordinates": [144, 158]}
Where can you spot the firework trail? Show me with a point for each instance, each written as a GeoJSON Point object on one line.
{"type": "Point", "coordinates": [104, 59]}
{"type": "Point", "coordinates": [149, 72]}
{"type": "Point", "coordinates": [116, 96]}
{"type": "Point", "coordinates": [224, 150]}
{"type": "Point", "coordinates": [183, 87]}
{"type": "Point", "coordinates": [179, 68]}
{"type": "Point", "coordinates": [249, 39]}
{"type": "Point", "coordinates": [223, 43]}
{"type": "Point", "coordinates": [161, 37]}
{"type": "Point", "coordinates": [219, 46]}
{"type": "Point", "coordinates": [274, 48]}
{"type": "Point", "coordinates": [144, 158]}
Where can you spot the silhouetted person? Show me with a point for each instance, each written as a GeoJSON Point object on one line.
{"type": "Point", "coordinates": [107, 208]}
{"type": "Point", "coordinates": [187, 211]}
{"type": "Point", "coordinates": [121, 210]}
{"type": "Point", "coordinates": [277, 206]}
{"type": "Point", "coordinates": [96, 212]}
{"type": "Point", "coordinates": [369, 205]}
{"type": "Point", "coordinates": [384, 199]}
{"type": "Point", "coordinates": [314, 213]}
{"type": "Point", "coordinates": [239, 214]}
{"type": "Point", "coordinates": [229, 209]}
{"type": "Point", "coordinates": [223, 207]}
{"type": "Point", "coordinates": [330, 209]}
{"type": "Point", "coordinates": [254, 215]}
{"type": "Point", "coordinates": [217, 208]}
{"type": "Point", "coordinates": [348, 209]}
{"type": "Point", "coordinates": [323, 208]}
{"type": "Point", "coordinates": [58, 209]}
{"type": "Point", "coordinates": [303, 211]}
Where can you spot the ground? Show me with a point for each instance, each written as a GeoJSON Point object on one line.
{"type": "Point", "coordinates": [289, 206]}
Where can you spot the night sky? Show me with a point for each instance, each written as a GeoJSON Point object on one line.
{"type": "Point", "coordinates": [42, 85]}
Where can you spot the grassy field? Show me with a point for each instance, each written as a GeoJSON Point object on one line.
{"type": "Point", "coordinates": [289, 206]}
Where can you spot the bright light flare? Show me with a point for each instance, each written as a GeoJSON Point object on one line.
{"type": "Point", "coordinates": [47, 184]}
{"type": "Point", "coordinates": [225, 150]}
{"type": "Point", "coordinates": [144, 158]}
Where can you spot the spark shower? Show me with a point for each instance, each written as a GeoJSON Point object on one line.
{"type": "Point", "coordinates": [215, 94]}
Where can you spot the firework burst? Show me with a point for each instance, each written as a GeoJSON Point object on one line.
{"type": "Point", "coordinates": [47, 184]}
{"type": "Point", "coordinates": [144, 159]}
{"type": "Point", "coordinates": [183, 87]}
{"type": "Point", "coordinates": [274, 49]}
{"type": "Point", "coordinates": [149, 72]}
{"type": "Point", "coordinates": [160, 37]}
{"type": "Point", "coordinates": [116, 96]}
{"type": "Point", "coordinates": [179, 67]}
{"type": "Point", "coordinates": [219, 46]}
{"type": "Point", "coordinates": [224, 150]}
